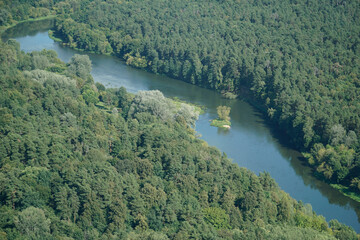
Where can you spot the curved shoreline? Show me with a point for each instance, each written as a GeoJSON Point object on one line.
{"type": "Point", "coordinates": [247, 101]}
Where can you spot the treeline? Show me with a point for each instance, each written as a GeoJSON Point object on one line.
{"type": "Point", "coordinates": [12, 11]}
{"type": "Point", "coordinates": [78, 161]}
{"type": "Point", "coordinates": [298, 59]}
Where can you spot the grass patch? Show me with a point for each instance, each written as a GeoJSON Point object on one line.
{"type": "Point", "coordinates": [220, 123]}
{"type": "Point", "coordinates": [53, 37]}
{"type": "Point", "coordinates": [346, 191]}
{"type": "Point", "coordinates": [198, 108]}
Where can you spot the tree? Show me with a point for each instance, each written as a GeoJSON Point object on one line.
{"type": "Point", "coordinates": [159, 175]}
{"type": "Point", "coordinates": [153, 102]}
{"type": "Point", "coordinates": [341, 231]}
{"type": "Point", "coordinates": [188, 113]}
{"type": "Point", "coordinates": [80, 66]}
{"type": "Point", "coordinates": [90, 96]}
{"type": "Point", "coordinates": [337, 134]}
{"type": "Point", "coordinates": [217, 217]}
{"type": "Point", "coordinates": [67, 203]}
{"type": "Point", "coordinates": [33, 223]}
{"type": "Point", "coordinates": [223, 112]}
{"type": "Point", "coordinates": [40, 61]}
{"type": "Point", "coordinates": [4, 17]}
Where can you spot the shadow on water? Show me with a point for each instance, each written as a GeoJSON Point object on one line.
{"type": "Point", "coordinates": [223, 131]}
{"type": "Point", "coordinates": [251, 142]}
{"type": "Point", "coordinates": [299, 164]}
{"type": "Point", "coordinates": [247, 123]}
{"type": "Point", "coordinates": [28, 29]}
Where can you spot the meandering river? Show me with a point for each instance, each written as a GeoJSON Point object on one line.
{"type": "Point", "coordinates": [251, 142]}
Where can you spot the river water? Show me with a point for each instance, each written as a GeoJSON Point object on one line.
{"type": "Point", "coordinates": [251, 142]}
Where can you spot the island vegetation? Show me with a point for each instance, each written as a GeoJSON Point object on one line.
{"type": "Point", "coordinates": [223, 120]}
{"type": "Point", "coordinates": [79, 161]}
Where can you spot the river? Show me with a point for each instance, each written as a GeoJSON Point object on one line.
{"type": "Point", "coordinates": [251, 142]}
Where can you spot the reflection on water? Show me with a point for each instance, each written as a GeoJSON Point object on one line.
{"type": "Point", "coordinates": [28, 29]}
{"type": "Point", "coordinates": [251, 142]}
{"type": "Point", "coordinates": [223, 131]}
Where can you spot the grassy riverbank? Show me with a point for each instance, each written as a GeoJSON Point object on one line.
{"type": "Point", "coordinates": [347, 192]}
{"type": "Point", "coordinates": [198, 108]}
{"type": "Point", "coordinates": [53, 37]}
{"type": "Point", "coordinates": [4, 28]}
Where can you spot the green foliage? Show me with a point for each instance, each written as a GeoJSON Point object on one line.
{"type": "Point", "coordinates": [136, 61]}
{"type": "Point", "coordinates": [33, 224]}
{"type": "Point", "coordinates": [300, 63]}
{"type": "Point", "coordinates": [15, 11]}
{"type": "Point", "coordinates": [46, 77]}
{"type": "Point", "coordinates": [351, 192]}
{"type": "Point", "coordinates": [220, 123]}
{"type": "Point", "coordinates": [217, 217]}
{"type": "Point", "coordinates": [90, 96]}
{"type": "Point", "coordinates": [155, 103]}
{"type": "Point", "coordinates": [223, 120]}
{"type": "Point", "coordinates": [342, 231]}
{"type": "Point", "coordinates": [334, 163]}
{"type": "Point", "coordinates": [71, 170]}
{"type": "Point", "coordinates": [80, 66]}
{"type": "Point", "coordinates": [229, 95]}
{"type": "Point", "coordinates": [223, 112]}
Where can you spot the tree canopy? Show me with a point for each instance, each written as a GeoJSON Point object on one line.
{"type": "Point", "coordinates": [119, 169]}
{"type": "Point", "coordinates": [299, 60]}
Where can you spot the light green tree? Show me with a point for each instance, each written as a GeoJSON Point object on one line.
{"type": "Point", "coordinates": [217, 217]}
{"type": "Point", "coordinates": [33, 223]}
{"type": "Point", "coordinates": [223, 112]}
{"type": "Point", "coordinates": [80, 65]}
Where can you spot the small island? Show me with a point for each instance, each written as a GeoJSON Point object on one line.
{"type": "Point", "coordinates": [223, 120]}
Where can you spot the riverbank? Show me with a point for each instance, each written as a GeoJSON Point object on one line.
{"type": "Point", "coordinates": [53, 37]}
{"type": "Point", "coordinates": [250, 136]}
{"type": "Point", "coordinates": [4, 28]}
{"type": "Point", "coordinates": [246, 95]}
{"type": "Point", "coordinates": [198, 108]}
{"type": "Point", "coordinates": [347, 192]}
{"type": "Point", "coordinates": [57, 38]}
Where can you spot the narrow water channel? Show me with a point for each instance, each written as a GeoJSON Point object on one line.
{"type": "Point", "coordinates": [250, 142]}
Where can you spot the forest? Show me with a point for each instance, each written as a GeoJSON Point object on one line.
{"type": "Point", "coordinates": [79, 161]}
{"type": "Point", "coordinates": [297, 61]}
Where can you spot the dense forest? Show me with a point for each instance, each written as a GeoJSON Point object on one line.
{"type": "Point", "coordinates": [298, 61]}
{"type": "Point", "coordinates": [79, 161]}
{"type": "Point", "coordinates": [13, 11]}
